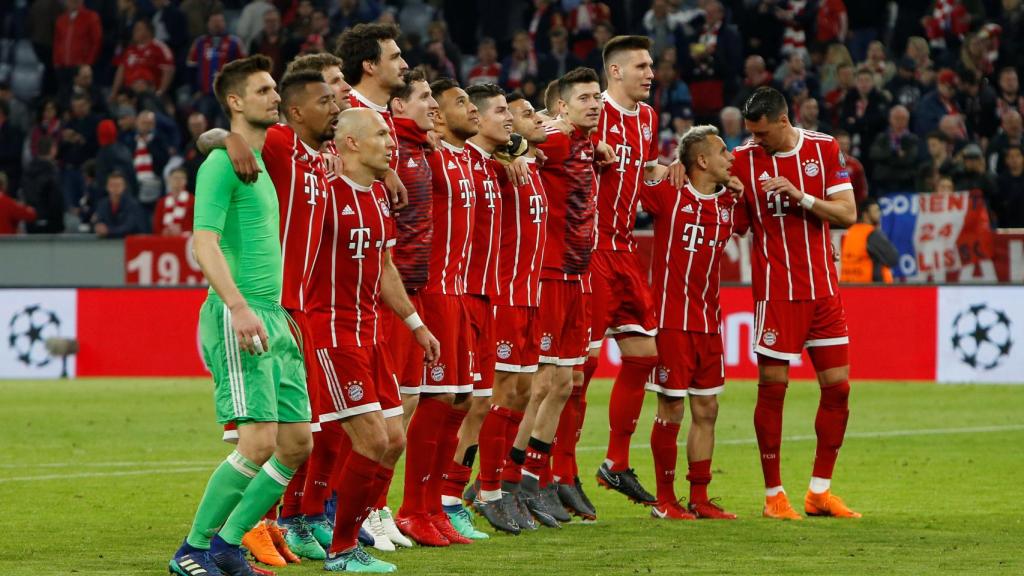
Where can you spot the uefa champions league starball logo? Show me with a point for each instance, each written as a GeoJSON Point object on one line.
{"type": "Point", "coordinates": [28, 331]}
{"type": "Point", "coordinates": [981, 336]}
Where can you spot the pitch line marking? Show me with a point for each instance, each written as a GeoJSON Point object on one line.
{"type": "Point", "coordinates": [104, 474]}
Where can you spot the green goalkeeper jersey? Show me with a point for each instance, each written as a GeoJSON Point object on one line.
{"type": "Point", "coordinates": [246, 218]}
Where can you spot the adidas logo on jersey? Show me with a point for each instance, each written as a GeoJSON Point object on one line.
{"type": "Point", "coordinates": [304, 158]}
{"type": "Point", "coordinates": [478, 167]}
{"type": "Point", "coordinates": [764, 176]}
{"type": "Point", "coordinates": [688, 209]}
{"type": "Point", "coordinates": [614, 130]}
{"type": "Point", "coordinates": [451, 165]}
{"type": "Point", "coordinates": [347, 211]}
{"type": "Point", "coordinates": [583, 155]}
{"type": "Point", "coordinates": [412, 163]}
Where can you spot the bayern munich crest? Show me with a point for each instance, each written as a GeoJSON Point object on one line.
{"type": "Point", "coordinates": [354, 391]}
{"type": "Point", "coordinates": [770, 337]}
{"type": "Point", "coordinates": [662, 375]}
{"type": "Point", "coordinates": [646, 131]}
{"type": "Point", "coordinates": [437, 373]}
{"type": "Point", "coordinates": [385, 209]}
{"type": "Point", "coordinates": [545, 342]}
{"type": "Point", "coordinates": [811, 168]}
{"type": "Point", "coordinates": [504, 350]}
{"type": "Point", "coordinates": [723, 215]}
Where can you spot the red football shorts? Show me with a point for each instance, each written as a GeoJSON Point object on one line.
{"type": "Point", "coordinates": [623, 306]}
{"type": "Point", "coordinates": [481, 335]}
{"type": "Point", "coordinates": [517, 347]}
{"type": "Point", "coordinates": [786, 327]}
{"type": "Point", "coordinates": [689, 363]}
{"type": "Point", "coordinates": [446, 317]}
{"type": "Point", "coordinates": [356, 380]}
{"type": "Point", "coordinates": [405, 352]}
{"type": "Point", "coordinates": [564, 323]}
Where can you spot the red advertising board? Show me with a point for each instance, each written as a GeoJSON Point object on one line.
{"type": "Point", "coordinates": [160, 261]}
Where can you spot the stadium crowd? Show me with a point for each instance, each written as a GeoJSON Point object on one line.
{"type": "Point", "coordinates": [101, 102]}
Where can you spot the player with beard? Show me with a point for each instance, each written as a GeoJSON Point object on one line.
{"type": "Point", "coordinates": [433, 429]}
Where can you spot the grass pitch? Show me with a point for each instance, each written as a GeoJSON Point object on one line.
{"type": "Point", "coordinates": [103, 476]}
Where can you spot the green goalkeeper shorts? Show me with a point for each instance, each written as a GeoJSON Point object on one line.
{"type": "Point", "coordinates": [270, 387]}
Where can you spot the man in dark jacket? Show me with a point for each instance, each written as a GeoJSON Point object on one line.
{"type": "Point", "coordinates": [41, 189]}
{"type": "Point", "coordinates": [118, 215]}
{"type": "Point", "coordinates": [894, 154]}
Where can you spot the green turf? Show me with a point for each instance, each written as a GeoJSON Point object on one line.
{"type": "Point", "coordinates": [102, 477]}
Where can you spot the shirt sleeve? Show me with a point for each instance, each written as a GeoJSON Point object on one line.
{"type": "Point", "coordinates": [652, 144]}
{"type": "Point", "coordinates": [556, 147]}
{"type": "Point", "coordinates": [837, 173]}
{"type": "Point", "coordinates": [651, 195]}
{"type": "Point", "coordinates": [215, 185]}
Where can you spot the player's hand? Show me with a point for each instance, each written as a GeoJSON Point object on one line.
{"type": "Point", "coordinates": [677, 174]}
{"type": "Point", "coordinates": [433, 140]}
{"type": "Point", "coordinates": [518, 171]}
{"type": "Point", "coordinates": [249, 329]}
{"type": "Point", "coordinates": [431, 347]}
{"type": "Point", "coordinates": [735, 186]}
{"type": "Point", "coordinates": [780, 184]}
{"type": "Point", "coordinates": [604, 154]}
{"type": "Point", "coordinates": [242, 158]}
{"type": "Point", "coordinates": [540, 156]}
{"type": "Point", "coordinates": [399, 195]}
{"type": "Point", "coordinates": [560, 124]}
{"type": "Point", "coordinates": [332, 163]}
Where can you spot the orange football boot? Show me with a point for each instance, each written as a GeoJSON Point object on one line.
{"type": "Point", "coordinates": [778, 507]}
{"type": "Point", "coordinates": [277, 537]}
{"type": "Point", "coordinates": [261, 546]}
{"type": "Point", "coordinates": [827, 504]}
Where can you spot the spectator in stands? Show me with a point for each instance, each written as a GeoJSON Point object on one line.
{"type": "Point", "coordinates": [894, 154]}
{"type": "Point", "coordinates": [91, 198]}
{"type": "Point", "coordinates": [762, 28]}
{"type": "Point", "coordinates": [939, 162]}
{"type": "Point", "coordinates": [603, 32]}
{"type": "Point", "coordinates": [864, 112]}
{"type": "Point", "coordinates": [1009, 96]}
{"type": "Point", "coordinates": [559, 59]}
{"type": "Point", "coordinates": [1009, 206]}
{"type": "Point", "coordinates": [1011, 133]}
{"type": "Point", "coordinates": [733, 133]}
{"type": "Point", "coordinates": [797, 17]}
{"type": "Point", "coordinates": [710, 60]}
{"type": "Point", "coordinates": [415, 16]}
{"type": "Point", "coordinates": [755, 75]}
{"type": "Point", "coordinates": [835, 56]}
{"type": "Point", "coordinates": [77, 144]}
{"type": "Point", "coordinates": [795, 71]}
{"type": "Point", "coordinates": [878, 63]}
{"type": "Point", "coordinates": [197, 14]}
{"type": "Point", "coordinates": [149, 158]}
{"type": "Point", "coordinates": [972, 174]}
{"type": "Point", "coordinates": [12, 143]}
{"type": "Point", "coordinates": [12, 212]}
{"type": "Point", "coordinates": [18, 113]}
{"type": "Point", "coordinates": [936, 104]}
{"type": "Point", "coordinates": [809, 117]}
{"type": "Point", "coordinates": [834, 98]}
{"type": "Point", "coordinates": [437, 31]}
{"type": "Point", "coordinates": [302, 21]}
{"type": "Point", "coordinates": [904, 88]}
{"type": "Point", "coordinates": [974, 55]}
{"type": "Point", "coordinates": [546, 16]}
{"type": "Point", "coordinates": [78, 37]}
{"type": "Point", "coordinates": [582, 21]}
{"type": "Point", "coordinates": [173, 216]}
{"type": "Point", "coordinates": [119, 214]}
{"type": "Point", "coordinates": [867, 254]}
{"type": "Point", "coordinates": [47, 125]}
{"type": "Point", "coordinates": [832, 24]}
{"type": "Point", "coordinates": [977, 102]}
{"type": "Point", "coordinates": [436, 57]}
{"type": "Point", "coordinates": [1011, 49]}
{"type": "Point", "coordinates": [944, 185]}
{"type": "Point", "coordinates": [487, 69]}
{"type": "Point", "coordinates": [42, 19]}
{"type": "Point", "coordinates": [522, 62]}
{"type": "Point", "coordinates": [669, 95]}
{"type": "Point", "coordinates": [661, 25]}
{"type": "Point", "coordinates": [83, 84]}
{"type": "Point", "coordinates": [250, 21]}
{"type": "Point", "coordinates": [171, 28]}
{"type": "Point", "coordinates": [41, 189]}
{"type": "Point", "coordinates": [113, 155]}
{"type": "Point", "coordinates": [146, 65]}
{"type": "Point", "coordinates": [952, 125]}
{"type": "Point", "coordinates": [209, 53]}
{"type": "Point", "coordinates": [120, 34]}
{"type": "Point", "coordinates": [857, 176]}
{"type": "Point", "coordinates": [197, 124]}
{"type": "Point", "coordinates": [272, 42]}
{"type": "Point", "coordinates": [352, 12]}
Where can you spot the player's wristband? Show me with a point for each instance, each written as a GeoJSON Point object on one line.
{"type": "Point", "coordinates": [413, 321]}
{"type": "Point", "coordinates": [807, 201]}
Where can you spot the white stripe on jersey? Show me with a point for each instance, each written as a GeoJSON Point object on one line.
{"type": "Point", "coordinates": [764, 230]}
{"type": "Point", "coordinates": [333, 388]}
{"type": "Point", "coordinates": [359, 277]}
{"type": "Point", "coordinates": [380, 264]}
{"type": "Point", "coordinates": [686, 279]}
{"type": "Point", "coordinates": [536, 249]}
{"type": "Point", "coordinates": [782, 229]}
{"type": "Point", "coordinates": [668, 258]}
{"type": "Point", "coordinates": [334, 272]}
{"type": "Point", "coordinates": [288, 218]}
{"type": "Point", "coordinates": [711, 264]}
{"type": "Point", "coordinates": [824, 237]}
{"type": "Point", "coordinates": [467, 244]}
{"type": "Point", "coordinates": [519, 238]}
{"type": "Point", "coordinates": [448, 230]}
{"type": "Point", "coordinates": [807, 236]}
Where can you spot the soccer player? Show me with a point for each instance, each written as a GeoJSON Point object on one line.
{"type": "Point", "coordinates": [795, 184]}
{"type": "Point", "coordinates": [353, 277]}
{"type": "Point", "coordinates": [433, 429]}
{"type": "Point", "coordinates": [516, 322]}
{"type": "Point", "coordinates": [621, 304]}
{"type": "Point", "coordinates": [410, 107]}
{"type": "Point", "coordinates": [568, 177]}
{"type": "Point", "coordinates": [692, 226]}
{"type": "Point", "coordinates": [482, 289]}
{"type": "Point", "coordinates": [247, 338]}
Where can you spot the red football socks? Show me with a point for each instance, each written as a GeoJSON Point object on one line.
{"type": "Point", "coordinates": [380, 490]}
{"type": "Point", "coordinates": [514, 460]}
{"type": "Point", "coordinates": [326, 446]}
{"type": "Point", "coordinates": [447, 444]}
{"type": "Point", "coordinates": [627, 400]}
{"type": "Point", "coordinates": [699, 477]}
{"type": "Point", "coordinates": [664, 436]}
{"type": "Point", "coordinates": [830, 426]}
{"type": "Point", "coordinates": [421, 448]}
{"type": "Point", "coordinates": [492, 446]}
{"type": "Point", "coordinates": [768, 427]}
{"type": "Point", "coordinates": [358, 483]}
{"type": "Point", "coordinates": [581, 408]}
{"type": "Point", "coordinates": [537, 455]}
{"type": "Point", "coordinates": [563, 451]}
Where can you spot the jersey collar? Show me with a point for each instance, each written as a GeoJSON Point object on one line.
{"type": "Point", "coordinates": [452, 147]}
{"type": "Point", "coordinates": [479, 150]}
{"type": "Point", "coordinates": [367, 103]}
{"type": "Point", "coordinates": [693, 191]}
{"type": "Point", "coordinates": [622, 110]}
{"type": "Point", "coordinates": [799, 144]}
{"type": "Point", "coordinates": [354, 185]}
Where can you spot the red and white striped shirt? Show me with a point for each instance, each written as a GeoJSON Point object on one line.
{"type": "Point", "coordinates": [357, 100]}
{"type": "Point", "coordinates": [524, 217]}
{"type": "Point", "coordinates": [691, 231]}
{"type": "Point", "coordinates": [453, 211]}
{"type": "Point", "coordinates": [297, 172]}
{"type": "Point", "coordinates": [344, 295]}
{"type": "Point", "coordinates": [632, 135]}
{"type": "Point", "coordinates": [568, 177]}
{"type": "Point", "coordinates": [482, 260]}
{"type": "Point", "coordinates": [792, 255]}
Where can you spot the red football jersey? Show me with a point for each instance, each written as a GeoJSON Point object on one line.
{"type": "Point", "coordinates": [357, 100]}
{"type": "Point", "coordinates": [414, 225]}
{"type": "Point", "coordinates": [792, 255]}
{"type": "Point", "coordinates": [146, 63]}
{"type": "Point", "coordinates": [344, 295]}
{"type": "Point", "coordinates": [691, 231]}
{"type": "Point", "coordinates": [568, 177]}
{"type": "Point", "coordinates": [482, 260]}
{"type": "Point", "coordinates": [453, 213]}
{"type": "Point", "coordinates": [632, 135]}
{"type": "Point", "coordinates": [297, 171]}
{"type": "Point", "coordinates": [524, 217]}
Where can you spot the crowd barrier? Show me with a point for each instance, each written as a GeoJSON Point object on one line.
{"type": "Point", "coordinates": [925, 333]}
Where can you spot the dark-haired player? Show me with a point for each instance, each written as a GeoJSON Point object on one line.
{"type": "Point", "coordinates": [795, 184]}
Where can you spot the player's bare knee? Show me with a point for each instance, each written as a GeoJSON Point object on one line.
{"type": "Point", "coordinates": [671, 409]}
{"type": "Point", "coordinates": [704, 410]}
{"type": "Point", "coordinates": [834, 376]}
{"type": "Point", "coordinates": [773, 373]}
{"type": "Point", "coordinates": [639, 346]}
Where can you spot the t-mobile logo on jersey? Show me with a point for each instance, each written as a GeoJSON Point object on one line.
{"type": "Point", "coordinates": [490, 193]}
{"type": "Point", "coordinates": [693, 235]}
{"type": "Point", "coordinates": [622, 152]}
{"type": "Point", "coordinates": [536, 207]}
{"type": "Point", "coordinates": [778, 203]}
{"type": "Point", "coordinates": [360, 240]}
{"type": "Point", "coordinates": [311, 188]}
{"type": "Point", "coordinates": [466, 192]}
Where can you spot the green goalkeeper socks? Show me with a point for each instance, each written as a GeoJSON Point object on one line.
{"type": "Point", "coordinates": [223, 493]}
{"type": "Point", "coordinates": [264, 491]}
